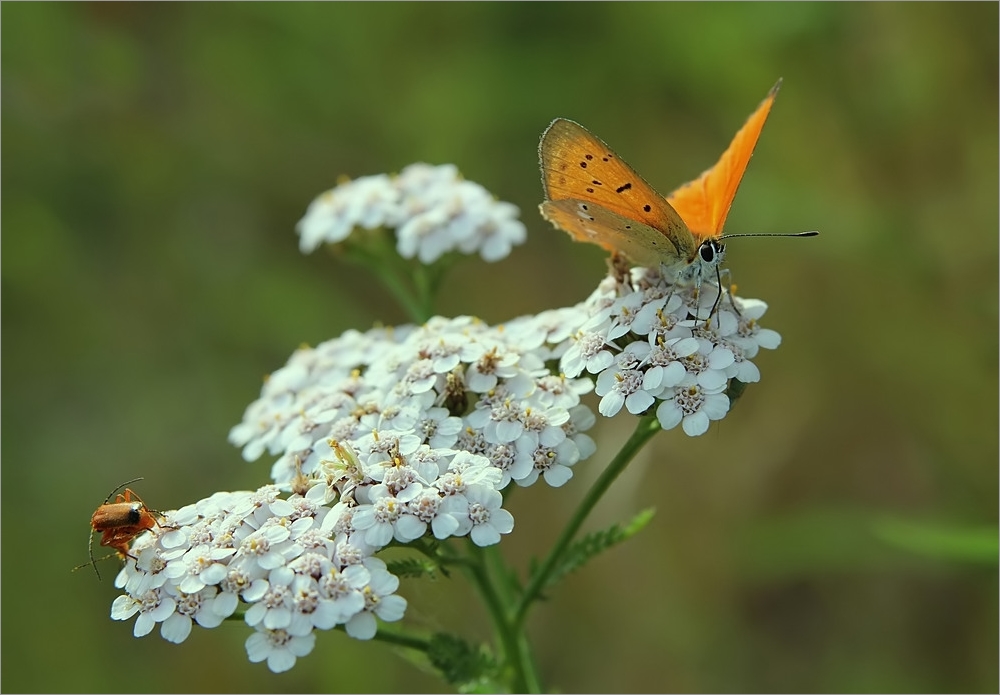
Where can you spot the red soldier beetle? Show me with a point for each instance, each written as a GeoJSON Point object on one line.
{"type": "Point", "coordinates": [120, 522]}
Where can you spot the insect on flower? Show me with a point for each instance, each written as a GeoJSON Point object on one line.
{"type": "Point", "coordinates": [120, 522]}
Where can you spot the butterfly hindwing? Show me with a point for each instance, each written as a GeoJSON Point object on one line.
{"type": "Point", "coordinates": [596, 224]}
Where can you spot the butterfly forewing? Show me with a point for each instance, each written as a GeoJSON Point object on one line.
{"type": "Point", "coordinates": [704, 203]}
{"type": "Point", "coordinates": [599, 198]}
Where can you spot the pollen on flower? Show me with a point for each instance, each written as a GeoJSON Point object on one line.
{"type": "Point", "coordinates": [309, 565]}
{"type": "Point", "coordinates": [689, 399]}
{"type": "Point", "coordinates": [256, 545]}
{"type": "Point", "coordinates": [544, 459]}
{"type": "Point", "coordinates": [149, 601]}
{"type": "Point", "coordinates": [591, 344]}
{"type": "Point", "coordinates": [276, 597]}
{"type": "Point", "coordinates": [306, 600]}
{"type": "Point", "coordinates": [479, 514]}
{"type": "Point", "coordinates": [387, 510]}
{"type": "Point", "coordinates": [279, 647]}
{"type": "Point", "coordinates": [189, 604]}
{"type": "Point", "coordinates": [451, 483]}
{"type": "Point", "coordinates": [426, 507]}
{"type": "Point", "coordinates": [371, 598]}
{"type": "Point", "coordinates": [236, 581]}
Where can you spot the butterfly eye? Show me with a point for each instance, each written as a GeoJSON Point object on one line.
{"type": "Point", "coordinates": [708, 250]}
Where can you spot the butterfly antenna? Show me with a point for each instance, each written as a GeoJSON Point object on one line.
{"type": "Point", "coordinates": [733, 236]}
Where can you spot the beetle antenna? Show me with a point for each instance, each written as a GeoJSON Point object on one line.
{"type": "Point", "coordinates": [90, 550]}
{"type": "Point", "coordinates": [93, 563]}
{"type": "Point", "coordinates": [127, 482]}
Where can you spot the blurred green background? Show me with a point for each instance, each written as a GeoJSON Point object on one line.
{"type": "Point", "coordinates": [822, 538]}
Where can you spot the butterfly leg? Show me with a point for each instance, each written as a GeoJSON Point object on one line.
{"type": "Point", "coordinates": [726, 288]}
{"type": "Point", "coordinates": [730, 289]}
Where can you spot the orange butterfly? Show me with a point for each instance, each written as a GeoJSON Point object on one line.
{"type": "Point", "coordinates": [596, 197]}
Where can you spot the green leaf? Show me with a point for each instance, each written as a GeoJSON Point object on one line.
{"type": "Point", "coordinates": [413, 567]}
{"type": "Point", "coordinates": [977, 544]}
{"type": "Point", "coordinates": [469, 669]}
{"type": "Point", "coordinates": [735, 390]}
{"type": "Point", "coordinates": [821, 541]}
{"type": "Point", "coordinates": [809, 542]}
{"type": "Point", "coordinates": [591, 545]}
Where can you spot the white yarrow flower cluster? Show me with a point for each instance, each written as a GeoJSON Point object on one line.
{"type": "Point", "coordinates": [650, 343]}
{"type": "Point", "coordinates": [261, 550]}
{"type": "Point", "coordinates": [382, 418]}
{"type": "Point", "coordinates": [383, 437]}
{"type": "Point", "coordinates": [433, 210]}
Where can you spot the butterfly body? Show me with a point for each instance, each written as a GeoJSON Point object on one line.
{"type": "Point", "coordinates": [596, 197]}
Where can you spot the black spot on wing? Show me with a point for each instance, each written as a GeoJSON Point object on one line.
{"type": "Point", "coordinates": [624, 187]}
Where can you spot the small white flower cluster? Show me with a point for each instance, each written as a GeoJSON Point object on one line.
{"type": "Point", "coordinates": [389, 435]}
{"type": "Point", "coordinates": [404, 402]}
{"type": "Point", "coordinates": [267, 551]}
{"type": "Point", "coordinates": [648, 340]}
{"type": "Point", "coordinates": [432, 209]}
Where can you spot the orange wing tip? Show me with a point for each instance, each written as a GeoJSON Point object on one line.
{"type": "Point", "coordinates": [704, 203]}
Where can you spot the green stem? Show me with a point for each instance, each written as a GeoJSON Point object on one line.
{"type": "Point", "coordinates": [426, 279]}
{"type": "Point", "coordinates": [504, 631]}
{"type": "Point", "coordinates": [528, 667]}
{"type": "Point", "coordinates": [416, 306]}
{"type": "Point", "coordinates": [644, 431]}
{"type": "Point", "coordinates": [401, 640]}
{"type": "Point", "coordinates": [507, 589]}
{"type": "Point", "coordinates": [376, 252]}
